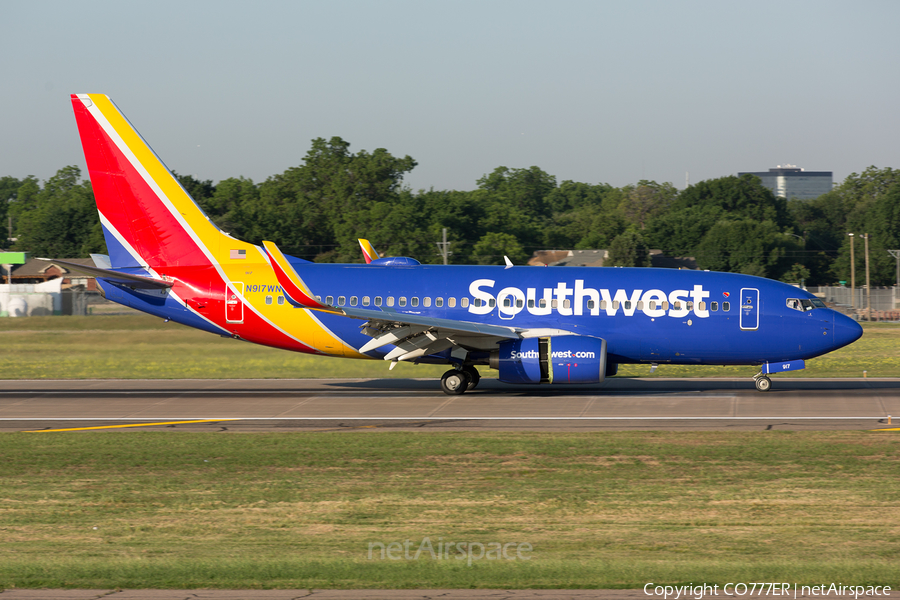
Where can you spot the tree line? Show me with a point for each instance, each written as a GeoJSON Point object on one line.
{"type": "Point", "coordinates": [318, 209]}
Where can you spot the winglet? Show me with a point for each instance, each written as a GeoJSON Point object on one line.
{"type": "Point", "coordinates": [295, 290]}
{"type": "Point", "coordinates": [368, 251]}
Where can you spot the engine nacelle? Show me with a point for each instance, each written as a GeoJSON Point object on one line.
{"type": "Point", "coordinates": [558, 359]}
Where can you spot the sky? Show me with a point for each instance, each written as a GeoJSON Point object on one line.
{"type": "Point", "coordinates": [589, 91]}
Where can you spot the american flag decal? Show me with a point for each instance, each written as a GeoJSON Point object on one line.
{"type": "Point", "coordinates": [238, 254]}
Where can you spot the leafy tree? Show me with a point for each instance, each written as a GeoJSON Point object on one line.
{"type": "Point", "coordinates": [748, 246]}
{"type": "Point", "coordinates": [646, 200]}
{"type": "Point", "coordinates": [629, 250]}
{"type": "Point", "coordinates": [679, 232]}
{"type": "Point", "coordinates": [64, 221]}
{"type": "Point", "coordinates": [9, 187]}
{"type": "Point", "coordinates": [571, 195]}
{"type": "Point", "coordinates": [491, 248]}
{"type": "Point", "coordinates": [522, 189]}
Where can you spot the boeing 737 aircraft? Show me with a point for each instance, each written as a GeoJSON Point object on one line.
{"type": "Point", "coordinates": [534, 325]}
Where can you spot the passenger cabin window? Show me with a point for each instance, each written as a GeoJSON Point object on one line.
{"type": "Point", "coordinates": [726, 306]}
{"type": "Point", "coordinates": [439, 302]}
{"type": "Point", "coordinates": [365, 300]}
{"type": "Point", "coordinates": [492, 303]}
{"type": "Point", "coordinates": [567, 303]}
{"type": "Point", "coordinates": [390, 300]}
{"type": "Point", "coordinates": [507, 302]}
{"type": "Point", "coordinates": [341, 300]}
{"type": "Point", "coordinates": [426, 301]}
{"type": "Point", "coordinates": [701, 305]}
{"type": "Point", "coordinates": [377, 300]}
{"type": "Point", "coordinates": [451, 302]}
{"type": "Point", "coordinates": [414, 301]}
{"type": "Point", "coordinates": [268, 299]}
{"type": "Point", "coordinates": [353, 300]}
{"type": "Point", "coordinates": [463, 302]}
{"type": "Point", "coordinates": [531, 303]}
{"type": "Point", "coordinates": [628, 305]}
{"type": "Point", "coordinates": [280, 299]}
{"type": "Point", "coordinates": [615, 305]}
{"type": "Point", "coordinates": [714, 306]}
{"type": "Point", "coordinates": [590, 304]}
{"type": "Point", "coordinates": [519, 303]}
{"type": "Point", "coordinates": [477, 302]}
{"type": "Point", "coordinates": [329, 300]}
{"type": "Point", "coordinates": [554, 303]}
{"type": "Point", "coordinates": [690, 305]}
{"type": "Point", "coordinates": [402, 301]}
{"type": "Point", "coordinates": [542, 303]}
{"type": "Point", "coordinates": [603, 305]}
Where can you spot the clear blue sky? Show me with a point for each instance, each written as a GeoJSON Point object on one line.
{"type": "Point", "coordinates": [591, 91]}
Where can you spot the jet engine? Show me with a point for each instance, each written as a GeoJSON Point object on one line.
{"type": "Point", "coordinates": [557, 359]}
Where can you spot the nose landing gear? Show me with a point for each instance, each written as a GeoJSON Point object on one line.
{"type": "Point", "coordinates": [763, 383]}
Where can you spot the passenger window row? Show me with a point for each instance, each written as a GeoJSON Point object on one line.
{"type": "Point", "coordinates": [542, 303]}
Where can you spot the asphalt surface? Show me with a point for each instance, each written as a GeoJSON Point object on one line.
{"type": "Point", "coordinates": [419, 405]}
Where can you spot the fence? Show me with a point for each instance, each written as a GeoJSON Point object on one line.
{"type": "Point", "coordinates": [885, 300]}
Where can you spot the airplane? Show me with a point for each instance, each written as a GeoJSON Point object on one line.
{"type": "Point", "coordinates": [550, 325]}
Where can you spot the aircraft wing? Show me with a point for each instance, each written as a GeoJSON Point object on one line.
{"type": "Point", "coordinates": [416, 335]}
{"type": "Point", "coordinates": [413, 335]}
{"type": "Point", "coordinates": [135, 281]}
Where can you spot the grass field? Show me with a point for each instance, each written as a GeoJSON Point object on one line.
{"type": "Point", "coordinates": [169, 510]}
{"type": "Point", "coordinates": [141, 346]}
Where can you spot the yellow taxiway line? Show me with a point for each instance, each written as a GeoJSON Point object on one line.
{"type": "Point", "coordinates": [131, 425]}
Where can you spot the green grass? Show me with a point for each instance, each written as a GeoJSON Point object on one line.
{"type": "Point", "coordinates": [165, 510]}
{"type": "Point", "coordinates": [141, 346]}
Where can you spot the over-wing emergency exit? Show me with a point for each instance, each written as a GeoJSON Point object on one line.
{"type": "Point", "coordinates": [548, 325]}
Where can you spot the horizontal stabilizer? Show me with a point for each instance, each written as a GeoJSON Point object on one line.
{"type": "Point", "coordinates": [135, 281]}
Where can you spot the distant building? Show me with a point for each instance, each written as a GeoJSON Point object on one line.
{"type": "Point", "coordinates": [790, 181]}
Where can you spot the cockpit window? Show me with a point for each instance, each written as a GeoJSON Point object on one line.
{"type": "Point", "coordinates": [804, 304]}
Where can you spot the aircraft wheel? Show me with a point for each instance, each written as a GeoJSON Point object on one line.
{"type": "Point", "coordinates": [474, 376]}
{"type": "Point", "coordinates": [763, 384]}
{"type": "Point", "coordinates": [454, 382]}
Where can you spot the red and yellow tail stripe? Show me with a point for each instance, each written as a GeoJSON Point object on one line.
{"type": "Point", "coordinates": [368, 251]}
{"type": "Point", "coordinates": [152, 218]}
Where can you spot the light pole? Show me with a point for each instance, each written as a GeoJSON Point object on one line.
{"type": "Point", "coordinates": [868, 287]}
{"type": "Point", "coordinates": [852, 275]}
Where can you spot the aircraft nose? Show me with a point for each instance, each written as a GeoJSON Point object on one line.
{"type": "Point", "coordinates": [846, 330]}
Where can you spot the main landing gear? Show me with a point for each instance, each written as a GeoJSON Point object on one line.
{"type": "Point", "coordinates": [457, 381]}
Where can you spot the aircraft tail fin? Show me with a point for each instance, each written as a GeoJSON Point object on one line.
{"type": "Point", "coordinates": [148, 219]}
{"type": "Point", "coordinates": [369, 252]}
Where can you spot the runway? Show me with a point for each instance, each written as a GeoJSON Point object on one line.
{"type": "Point", "coordinates": [419, 405]}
